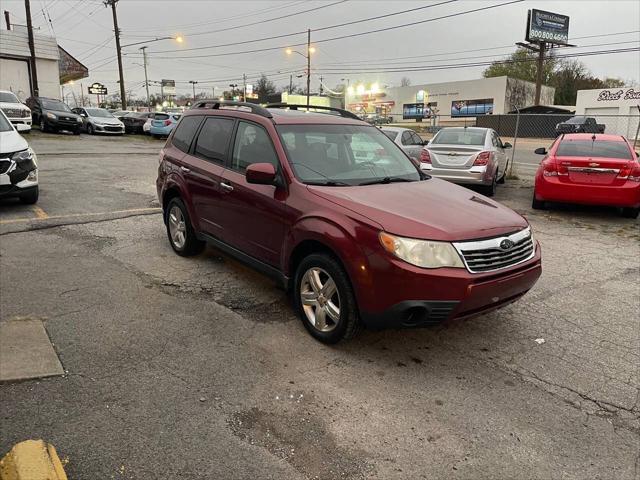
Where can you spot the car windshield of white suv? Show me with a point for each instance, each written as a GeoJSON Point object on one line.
{"type": "Point", "coordinates": [5, 125]}
{"type": "Point", "coordinates": [576, 120]}
{"type": "Point", "coordinates": [343, 155]}
{"type": "Point", "coordinates": [56, 106]}
{"type": "Point", "coordinates": [459, 136]}
{"type": "Point", "coordinates": [593, 149]}
{"type": "Point", "coordinates": [99, 112]}
{"type": "Point", "coordinates": [8, 97]}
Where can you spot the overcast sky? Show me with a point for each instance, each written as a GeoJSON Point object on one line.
{"type": "Point", "coordinates": [85, 29]}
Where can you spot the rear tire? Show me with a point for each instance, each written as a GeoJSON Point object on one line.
{"type": "Point", "coordinates": [490, 190]}
{"type": "Point", "coordinates": [329, 318]}
{"type": "Point", "coordinates": [629, 212]}
{"type": "Point", "coordinates": [30, 197]}
{"type": "Point", "coordinates": [538, 204]}
{"type": "Point", "coordinates": [182, 236]}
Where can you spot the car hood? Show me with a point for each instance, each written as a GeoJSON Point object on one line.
{"type": "Point", "coordinates": [12, 141]}
{"type": "Point", "coordinates": [62, 113]}
{"type": "Point", "coordinates": [17, 106]}
{"type": "Point", "coordinates": [431, 209]}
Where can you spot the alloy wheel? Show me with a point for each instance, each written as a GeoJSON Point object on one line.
{"type": "Point", "coordinates": [177, 227]}
{"type": "Point", "coordinates": [320, 299]}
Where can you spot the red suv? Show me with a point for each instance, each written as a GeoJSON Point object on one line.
{"type": "Point", "coordinates": [338, 213]}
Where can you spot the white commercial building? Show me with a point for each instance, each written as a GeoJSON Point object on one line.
{"type": "Point", "coordinates": [617, 108]}
{"type": "Point", "coordinates": [449, 100]}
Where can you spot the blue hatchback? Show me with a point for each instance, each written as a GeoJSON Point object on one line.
{"type": "Point", "coordinates": [163, 123]}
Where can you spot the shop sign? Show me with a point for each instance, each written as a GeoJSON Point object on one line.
{"type": "Point", "coordinates": [547, 27]}
{"type": "Point", "coordinates": [609, 96]}
{"type": "Point", "coordinates": [97, 89]}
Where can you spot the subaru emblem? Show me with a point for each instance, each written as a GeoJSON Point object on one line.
{"type": "Point", "coordinates": [506, 244]}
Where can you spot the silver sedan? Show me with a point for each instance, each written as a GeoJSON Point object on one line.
{"type": "Point", "coordinates": [467, 155]}
{"type": "Point", "coordinates": [406, 139]}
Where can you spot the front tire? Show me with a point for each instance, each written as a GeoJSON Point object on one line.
{"type": "Point", "coordinates": [629, 212]}
{"type": "Point", "coordinates": [30, 197]}
{"type": "Point", "coordinates": [182, 236]}
{"type": "Point", "coordinates": [324, 299]}
{"type": "Point", "coordinates": [503, 177]}
{"type": "Point", "coordinates": [90, 129]}
{"type": "Point", "coordinates": [43, 125]}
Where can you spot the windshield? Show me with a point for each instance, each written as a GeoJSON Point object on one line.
{"type": "Point", "coordinates": [98, 112]}
{"type": "Point", "coordinates": [589, 148]}
{"type": "Point", "coordinates": [459, 136]}
{"type": "Point", "coordinates": [344, 155]}
{"type": "Point", "coordinates": [392, 135]}
{"type": "Point", "coordinates": [576, 120]}
{"type": "Point", "coordinates": [55, 105]}
{"type": "Point", "coordinates": [8, 97]}
{"type": "Point", "coordinates": [5, 125]}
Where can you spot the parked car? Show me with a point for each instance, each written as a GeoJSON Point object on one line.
{"type": "Point", "coordinates": [406, 139]}
{"type": "Point", "coordinates": [18, 164]}
{"type": "Point", "coordinates": [467, 155]}
{"type": "Point", "coordinates": [358, 239]}
{"type": "Point", "coordinates": [376, 119]}
{"type": "Point", "coordinates": [590, 169]}
{"type": "Point", "coordinates": [16, 111]}
{"type": "Point", "coordinates": [53, 115]}
{"type": "Point", "coordinates": [163, 123]}
{"type": "Point", "coordinates": [134, 121]}
{"type": "Point", "coordinates": [99, 120]}
{"type": "Point", "coordinates": [579, 125]}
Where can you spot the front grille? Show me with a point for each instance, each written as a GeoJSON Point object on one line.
{"type": "Point", "coordinates": [495, 253]}
{"type": "Point", "coordinates": [4, 165]}
{"type": "Point", "coordinates": [12, 112]}
{"type": "Point", "coordinates": [113, 129]}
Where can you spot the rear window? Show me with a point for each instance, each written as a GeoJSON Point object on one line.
{"type": "Point", "coordinates": [593, 148]}
{"type": "Point", "coordinates": [160, 116]}
{"type": "Point", "coordinates": [185, 132]}
{"type": "Point", "coordinates": [459, 136]}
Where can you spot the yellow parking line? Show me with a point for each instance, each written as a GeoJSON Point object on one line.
{"type": "Point", "coordinates": [40, 213]}
{"type": "Point", "coordinates": [76, 215]}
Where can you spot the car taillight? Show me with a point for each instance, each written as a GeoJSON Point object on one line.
{"type": "Point", "coordinates": [167, 123]}
{"type": "Point", "coordinates": [630, 173]}
{"type": "Point", "coordinates": [551, 169]}
{"type": "Point", "coordinates": [482, 159]}
{"type": "Point", "coordinates": [424, 156]}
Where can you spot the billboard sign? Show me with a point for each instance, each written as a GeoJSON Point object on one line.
{"type": "Point", "coordinates": [97, 89]}
{"type": "Point", "coordinates": [168, 87]}
{"type": "Point", "coordinates": [547, 27]}
{"type": "Point", "coordinates": [249, 89]}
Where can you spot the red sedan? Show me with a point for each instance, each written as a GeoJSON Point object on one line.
{"type": "Point", "coordinates": [590, 169]}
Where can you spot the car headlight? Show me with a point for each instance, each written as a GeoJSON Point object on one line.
{"type": "Point", "coordinates": [25, 159]}
{"type": "Point", "coordinates": [79, 119]}
{"type": "Point", "coordinates": [422, 253]}
{"type": "Point", "coordinates": [26, 113]}
{"type": "Point", "coordinates": [51, 116]}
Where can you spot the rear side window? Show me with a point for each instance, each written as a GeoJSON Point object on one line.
{"type": "Point", "coordinates": [392, 135]}
{"type": "Point", "coordinates": [594, 148]}
{"type": "Point", "coordinates": [214, 138]}
{"type": "Point", "coordinates": [184, 133]}
{"type": "Point", "coordinates": [252, 146]}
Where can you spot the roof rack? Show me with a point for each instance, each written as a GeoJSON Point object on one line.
{"type": "Point", "coordinates": [339, 111]}
{"type": "Point", "coordinates": [218, 105]}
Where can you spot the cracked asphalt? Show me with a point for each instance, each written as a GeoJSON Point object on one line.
{"type": "Point", "coordinates": [197, 368]}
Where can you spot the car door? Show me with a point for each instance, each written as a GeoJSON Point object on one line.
{"type": "Point", "coordinates": [500, 155]}
{"type": "Point", "coordinates": [203, 168]}
{"type": "Point", "coordinates": [253, 215]}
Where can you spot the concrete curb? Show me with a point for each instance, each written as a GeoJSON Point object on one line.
{"type": "Point", "coordinates": [32, 460]}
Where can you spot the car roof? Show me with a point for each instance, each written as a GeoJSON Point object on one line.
{"type": "Point", "coordinates": [284, 116]}
{"type": "Point", "coordinates": [476, 129]}
{"type": "Point", "coordinates": [603, 137]}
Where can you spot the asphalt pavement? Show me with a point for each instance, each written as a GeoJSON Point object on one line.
{"type": "Point", "coordinates": [197, 368]}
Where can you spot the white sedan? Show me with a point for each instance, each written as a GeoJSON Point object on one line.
{"type": "Point", "coordinates": [406, 139]}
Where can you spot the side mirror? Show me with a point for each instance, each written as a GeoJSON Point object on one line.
{"type": "Point", "coordinates": [540, 151]}
{"type": "Point", "coordinates": [261, 174]}
{"type": "Point", "coordinates": [507, 145]}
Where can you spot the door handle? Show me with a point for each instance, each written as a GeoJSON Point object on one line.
{"type": "Point", "coordinates": [185, 169]}
{"type": "Point", "coordinates": [226, 186]}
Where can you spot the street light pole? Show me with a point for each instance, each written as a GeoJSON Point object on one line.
{"type": "Point", "coordinates": [193, 84]}
{"type": "Point", "coordinates": [112, 3]}
{"type": "Point", "coordinates": [308, 65]}
{"type": "Point", "coordinates": [146, 78]}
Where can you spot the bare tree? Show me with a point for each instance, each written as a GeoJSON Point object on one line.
{"type": "Point", "coordinates": [405, 82]}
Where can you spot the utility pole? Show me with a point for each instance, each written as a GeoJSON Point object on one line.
{"type": "Point", "coordinates": [213, 92]}
{"type": "Point", "coordinates": [193, 84]}
{"type": "Point", "coordinates": [308, 65]}
{"type": "Point", "coordinates": [82, 94]}
{"type": "Point", "coordinates": [7, 19]}
{"type": "Point", "coordinates": [244, 91]}
{"type": "Point", "coordinates": [290, 83]}
{"type": "Point", "coordinates": [112, 4]}
{"type": "Point", "coordinates": [321, 86]}
{"type": "Point", "coordinates": [539, 73]}
{"type": "Point", "coordinates": [32, 50]}
{"type": "Point", "coordinates": [146, 79]}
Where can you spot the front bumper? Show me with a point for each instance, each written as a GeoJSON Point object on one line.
{"type": "Point", "coordinates": [64, 124]}
{"type": "Point", "coordinates": [113, 129]}
{"type": "Point", "coordinates": [553, 189]}
{"type": "Point", "coordinates": [407, 296]}
{"type": "Point", "coordinates": [20, 121]}
{"type": "Point", "coordinates": [469, 176]}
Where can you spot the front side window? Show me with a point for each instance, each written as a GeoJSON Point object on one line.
{"type": "Point", "coordinates": [344, 155]}
{"type": "Point", "coordinates": [594, 148]}
{"type": "Point", "coordinates": [252, 145]}
{"type": "Point", "coordinates": [213, 139]}
{"type": "Point", "coordinates": [416, 138]}
{"type": "Point", "coordinates": [185, 132]}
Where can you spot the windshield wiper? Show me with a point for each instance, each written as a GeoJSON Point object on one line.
{"type": "Point", "coordinates": [329, 183]}
{"type": "Point", "coordinates": [386, 180]}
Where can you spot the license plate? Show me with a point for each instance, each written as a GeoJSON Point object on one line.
{"type": "Point", "coordinates": [4, 179]}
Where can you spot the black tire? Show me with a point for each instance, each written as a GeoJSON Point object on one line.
{"type": "Point", "coordinates": [192, 245]}
{"type": "Point", "coordinates": [30, 197]}
{"type": "Point", "coordinates": [76, 131]}
{"type": "Point", "coordinates": [538, 204]}
{"type": "Point", "coordinates": [629, 212]}
{"type": "Point", "coordinates": [348, 324]}
{"type": "Point", "coordinates": [90, 130]}
{"type": "Point", "coordinates": [503, 177]}
{"type": "Point", "coordinates": [490, 190]}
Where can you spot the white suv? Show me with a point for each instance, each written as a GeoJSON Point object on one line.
{"type": "Point", "coordinates": [18, 167]}
{"type": "Point", "coordinates": [16, 111]}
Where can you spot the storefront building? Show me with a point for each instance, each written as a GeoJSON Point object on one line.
{"type": "Point", "coordinates": [448, 101]}
{"type": "Point", "coordinates": [617, 108]}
